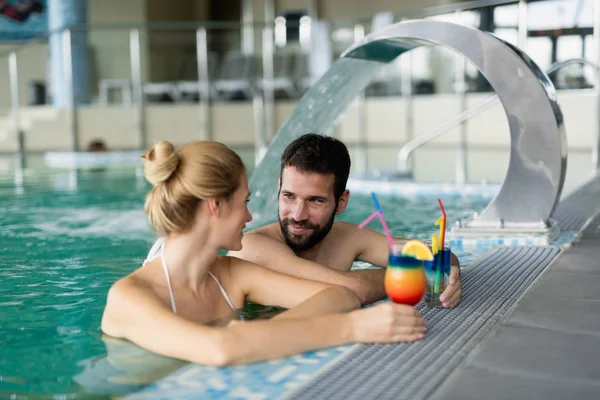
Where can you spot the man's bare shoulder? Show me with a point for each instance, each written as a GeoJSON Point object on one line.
{"type": "Point", "coordinates": [346, 227]}
{"type": "Point", "coordinates": [346, 230]}
{"type": "Point", "coordinates": [258, 243]}
{"type": "Point", "coordinates": [270, 231]}
{"type": "Point", "coordinates": [349, 236]}
{"type": "Point", "coordinates": [352, 229]}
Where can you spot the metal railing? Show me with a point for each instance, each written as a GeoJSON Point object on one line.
{"type": "Point", "coordinates": [441, 129]}
{"type": "Point", "coordinates": [403, 163]}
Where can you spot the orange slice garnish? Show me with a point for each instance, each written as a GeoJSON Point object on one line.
{"type": "Point", "coordinates": [418, 250]}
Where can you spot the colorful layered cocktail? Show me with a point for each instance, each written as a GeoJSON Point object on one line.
{"type": "Point", "coordinates": [405, 280]}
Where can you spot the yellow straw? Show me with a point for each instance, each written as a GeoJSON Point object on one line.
{"type": "Point", "coordinates": [440, 222]}
{"type": "Point", "coordinates": [438, 266]}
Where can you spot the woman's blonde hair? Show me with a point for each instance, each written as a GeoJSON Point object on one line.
{"type": "Point", "coordinates": [184, 177]}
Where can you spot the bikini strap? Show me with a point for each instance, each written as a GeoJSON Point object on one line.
{"type": "Point", "coordinates": [166, 269]}
{"type": "Point", "coordinates": [155, 250]}
{"type": "Point", "coordinates": [223, 291]}
{"type": "Point", "coordinates": [158, 249]}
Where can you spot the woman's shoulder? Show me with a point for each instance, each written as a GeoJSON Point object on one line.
{"type": "Point", "coordinates": [133, 281]}
{"type": "Point", "coordinates": [222, 266]}
{"type": "Point", "coordinates": [127, 287]}
{"type": "Point", "coordinates": [138, 283]}
{"type": "Point", "coordinates": [120, 301]}
{"type": "Point", "coordinates": [231, 268]}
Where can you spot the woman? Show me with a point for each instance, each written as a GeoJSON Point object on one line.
{"type": "Point", "coordinates": [184, 302]}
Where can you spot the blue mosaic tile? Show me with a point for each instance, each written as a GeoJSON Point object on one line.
{"type": "Point", "coordinates": [258, 381]}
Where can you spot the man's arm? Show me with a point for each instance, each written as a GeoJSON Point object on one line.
{"type": "Point", "coordinates": [372, 246]}
{"type": "Point", "coordinates": [371, 284]}
{"type": "Point", "coordinates": [261, 249]}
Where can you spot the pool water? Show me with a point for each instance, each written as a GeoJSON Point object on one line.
{"type": "Point", "coordinates": [66, 236]}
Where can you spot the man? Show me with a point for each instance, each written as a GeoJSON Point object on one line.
{"type": "Point", "coordinates": [307, 242]}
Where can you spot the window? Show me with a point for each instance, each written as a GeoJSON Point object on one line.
{"type": "Point", "coordinates": [506, 16]}
{"type": "Point", "coordinates": [287, 27]}
{"type": "Point", "coordinates": [568, 47]}
{"type": "Point", "coordinates": [511, 35]}
{"type": "Point", "coordinates": [590, 54]}
{"type": "Point", "coordinates": [591, 50]}
{"type": "Point", "coordinates": [468, 18]}
{"type": "Point", "coordinates": [556, 14]}
{"type": "Point", "coordinates": [571, 76]}
{"type": "Point", "coordinates": [550, 14]}
{"type": "Point", "coordinates": [540, 51]}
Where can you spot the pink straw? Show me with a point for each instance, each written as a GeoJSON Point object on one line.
{"type": "Point", "coordinates": [388, 234]}
{"type": "Point", "coordinates": [366, 221]}
{"type": "Point", "coordinates": [379, 214]}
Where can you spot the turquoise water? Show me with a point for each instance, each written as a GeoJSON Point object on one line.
{"type": "Point", "coordinates": [66, 236]}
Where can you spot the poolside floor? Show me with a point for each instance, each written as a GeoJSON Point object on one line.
{"type": "Point", "coordinates": [547, 348]}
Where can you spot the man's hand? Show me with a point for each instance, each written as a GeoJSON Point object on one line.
{"type": "Point", "coordinates": [451, 295]}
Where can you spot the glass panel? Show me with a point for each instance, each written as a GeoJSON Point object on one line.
{"type": "Point", "coordinates": [591, 50]}
{"type": "Point", "coordinates": [585, 16]}
{"type": "Point", "coordinates": [112, 65]}
{"type": "Point", "coordinates": [553, 14]}
{"type": "Point", "coordinates": [506, 15]}
{"type": "Point", "coordinates": [511, 35]}
{"type": "Point", "coordinates": [590, 54]}
{"type": "Point", "coordinates": [572, 76]}
{"type": "Point", "coordinates": [568, 47]}
{"type": "Point", "coordinates": [540, 51]}
{"type": "Point", "coordinates": [468, 18]}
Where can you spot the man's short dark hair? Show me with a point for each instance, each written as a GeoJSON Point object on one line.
{"type": "Point", "coordinates": [321, 154]}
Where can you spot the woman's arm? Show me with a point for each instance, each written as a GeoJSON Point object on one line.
{"type": "Point", "coordinates": [303, 298]}
{"type": "Point", "coordinates": [277, 256]}
{"type": "Point", "coordinates": [267, 339]}
{"type": "Point", "coordinates": [136, 314]}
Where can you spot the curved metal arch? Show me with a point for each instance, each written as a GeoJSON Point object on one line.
{"type": "Point", "coordinates": [537, 166]}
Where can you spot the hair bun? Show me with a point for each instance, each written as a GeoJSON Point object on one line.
{"type": "Point", "coordinates": [160, 162]}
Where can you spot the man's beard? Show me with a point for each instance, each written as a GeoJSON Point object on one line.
{"type": "Point", "coordinates": [302, 243]}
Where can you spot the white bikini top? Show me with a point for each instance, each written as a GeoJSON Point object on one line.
{"type": "Point", "coordinates": [158, 250]}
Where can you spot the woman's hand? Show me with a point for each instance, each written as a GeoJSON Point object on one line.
{"type": "Point", "coordinates": [387, 323]}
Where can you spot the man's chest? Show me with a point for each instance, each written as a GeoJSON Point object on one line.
{"type": "Point", "coordinates": [336, 257]}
